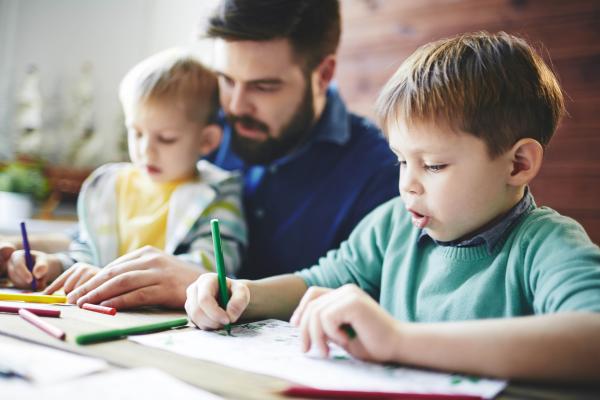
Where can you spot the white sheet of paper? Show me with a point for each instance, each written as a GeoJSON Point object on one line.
{"type": "Point", "coordinates": [272, 347]}
{"type": "Point", "coordinates": [126, 384]}
{"type": "Point", "coordinates": [42, 364]}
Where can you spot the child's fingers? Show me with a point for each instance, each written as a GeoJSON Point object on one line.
{"type": "Point", "coordinates": [40, 268]}
{"type": "Point", "coordinates": [240, 298]}
{"type": "Point", "coordinates": [58, 282]}
{"type": "Point", "coordinates": [17, 270]}
{"type": "Point", "coordinates": [195, 313]}
{"type": "Point", "coordinates": [202, 306]}
{"type": "Point", "coordinates": [333, 319]}
{"type": "Point", "coordinates": [217, 316]}
{"type": "Point", "coordinates": [318, 338]}
{"type": "Point", "coordinates": [311, 294]}
{"type": "Point", "coordinates": [305, 321]}
{"type": "Point", "coordinates": [191, 302]}
{"type": "Point", "coordinates": [6, 250]}
{"type": "Point", "coordinates": [20, 276]}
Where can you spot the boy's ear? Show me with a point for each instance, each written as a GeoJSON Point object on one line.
{"type": "Point", "coordinates": [527, 157]}
{"type": "Point", "coordinates": [323, 74]}
{"type": "Point", "coordinates": [210, 138]}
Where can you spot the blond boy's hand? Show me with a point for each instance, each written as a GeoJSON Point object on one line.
{"type": "Point", "coordinates": [6, 250]}
{"type": "Point", "coordinates": [46, 267]}
{"type": "Point", "coordinates": [323, 313]}
{"type": "Point", "coordinates": [72, 278]}
{"type": "Point", "coordinates": [202, 305]}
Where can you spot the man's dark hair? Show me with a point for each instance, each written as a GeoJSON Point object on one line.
{"type": "Point", "coordinates": [312, 26]}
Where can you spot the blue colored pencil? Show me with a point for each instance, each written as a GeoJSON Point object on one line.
{"type": "Point", "coordinates": [28, 258]}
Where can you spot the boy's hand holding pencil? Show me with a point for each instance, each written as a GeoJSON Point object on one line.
{"type": "Point", "coordinates": [46, 268]}
{"type": "Point", "coordinates": [202, 304]}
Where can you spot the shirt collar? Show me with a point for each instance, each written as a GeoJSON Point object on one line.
{"type": "Point", "coordinates": [492, 235]}
{"type": "Point", "coordinates": [333, 125]}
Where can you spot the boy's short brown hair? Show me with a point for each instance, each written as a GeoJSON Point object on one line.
{"type": "Point", "coordinates": [176, 76]}
{"type": "Point", "coordinates": [493, 86]}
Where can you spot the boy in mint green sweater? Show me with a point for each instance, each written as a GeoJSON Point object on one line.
{"type": "Point", "coordinates": [463, 272]}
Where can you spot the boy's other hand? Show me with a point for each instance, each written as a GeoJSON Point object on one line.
{"type": "Point", "coordinates": [322, 313]}
{"type": "Point", "coordinates": [203, 307]}
{"type": "Point", "coordinates": [72, 278]}
{"type": "Point", "coordinates": [6, 250]}
{"type": "Point", "coordinates": [146, 276]}
{"type": "Point", "coordinates": [45, 268]}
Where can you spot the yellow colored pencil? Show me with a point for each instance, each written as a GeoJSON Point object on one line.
{"type": "Point", "coordinates": [33, 298]}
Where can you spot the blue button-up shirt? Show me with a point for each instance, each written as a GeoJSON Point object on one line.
{"type": "Point", "coordinates": [307, 202]}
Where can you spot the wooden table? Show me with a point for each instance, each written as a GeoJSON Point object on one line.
{"type": "Point", "coordinates": [228, 382]}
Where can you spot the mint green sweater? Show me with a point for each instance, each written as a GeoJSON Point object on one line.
{"type": "Point", "coordinates": [545, 264]}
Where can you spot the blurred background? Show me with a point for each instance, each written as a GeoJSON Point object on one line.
{"type": "Point", "coordinates": [61, 62]}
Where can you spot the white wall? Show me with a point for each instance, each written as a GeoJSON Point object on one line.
{"type": "Point", "coordinates": [60, 35]}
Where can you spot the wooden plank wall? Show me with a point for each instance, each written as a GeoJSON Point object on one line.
{"type": "Point", "coordinates": [379, 34]}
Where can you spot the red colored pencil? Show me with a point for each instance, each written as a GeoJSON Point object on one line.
{"type": "Point", "coordinates": [41, 324]}
{"type": "Point", "coordinates": [100, 309]}
{"type": "Point", "coordinates": [42, 312]}
{"type": "Point", "coordinates": [309, 392]}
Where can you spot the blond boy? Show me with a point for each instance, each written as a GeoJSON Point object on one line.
{"type": "Point", "coordinates": [164, 198]}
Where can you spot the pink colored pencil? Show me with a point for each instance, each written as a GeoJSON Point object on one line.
{"type": "Point", "coordinates": [41, 324]}
{"type": "Point", "coordinates": [98, 308]}
{"type": "Point", "coordinates": [42, 312]}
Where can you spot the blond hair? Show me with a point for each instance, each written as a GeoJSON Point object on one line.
{"type": "Point", "coordinates": [174, 75]}
{"type": "Point", "coordinates": [493, 86]}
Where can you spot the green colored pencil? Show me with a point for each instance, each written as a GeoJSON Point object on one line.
{"type": "Point", "coordinates": [112, 334]}
{"type": "Point", "coordinates": [224, 295]}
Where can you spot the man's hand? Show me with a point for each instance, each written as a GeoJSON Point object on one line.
{"type": "Point", "coordinates": [72, 278]}
{"type": "Point", "coordinates": [146, 276]}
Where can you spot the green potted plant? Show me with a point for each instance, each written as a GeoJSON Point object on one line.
{"type": "Point", "coordinates": [21, 184]}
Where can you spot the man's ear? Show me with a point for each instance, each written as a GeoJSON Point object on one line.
{"type": "Point", "coordinates": [323, 74]}
{"type": "Point", "coordinates": [210, 138]}
{"type": "Point", "coordinates": [527, 155]}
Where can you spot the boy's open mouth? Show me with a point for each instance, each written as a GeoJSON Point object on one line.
{"type": "Point", "coordinates": [419, 220]}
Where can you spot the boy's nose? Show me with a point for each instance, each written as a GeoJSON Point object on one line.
{"type": "Point", "coordinates": [409, 183]}
{"type": "Point", "coordinates": [147, 147]}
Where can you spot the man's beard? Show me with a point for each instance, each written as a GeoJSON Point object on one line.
{"type": "Point", "coordinates": [293, 135]}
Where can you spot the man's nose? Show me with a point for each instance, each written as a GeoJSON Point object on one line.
{"type": "Point", "coordinates": [239, 101]}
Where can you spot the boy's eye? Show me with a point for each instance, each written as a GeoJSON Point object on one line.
{"type": "Point", "coordinates": [167, 140]}
{"type": "Point", "coordinates": [435, 167]}
{"type": "Point", "coordinates": [401, 163]}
